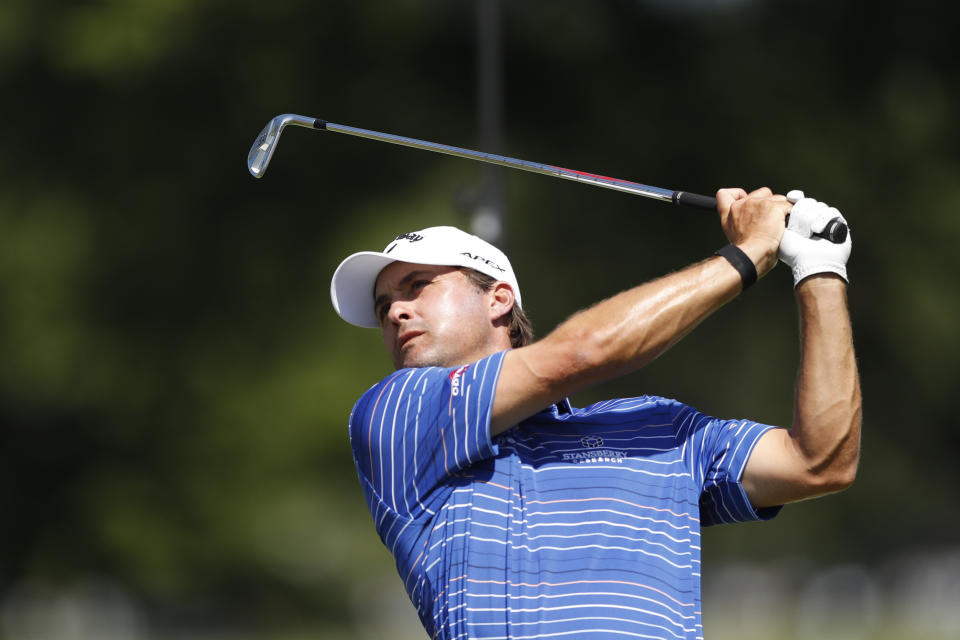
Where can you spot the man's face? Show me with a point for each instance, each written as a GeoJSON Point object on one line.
{"type": "Point", "coordinates": [431, 316]}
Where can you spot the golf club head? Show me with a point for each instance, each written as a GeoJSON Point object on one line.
{"type": "Point", "coordinates": [266, 143]}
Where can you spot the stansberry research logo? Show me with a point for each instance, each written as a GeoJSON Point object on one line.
{"type": "Point", "coordinates": [594, 452]}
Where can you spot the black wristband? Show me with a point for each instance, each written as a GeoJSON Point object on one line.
{"type": "Point", "coordinates": [741, 262]}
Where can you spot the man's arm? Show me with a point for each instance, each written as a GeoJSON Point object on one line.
{"type": "Point", "coordinates": [625, 332]}
{"type": "Point", "coordinates": [820, 453]}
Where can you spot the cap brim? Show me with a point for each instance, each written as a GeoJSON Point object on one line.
{"type": "Point", "coordinates": [351, 289]}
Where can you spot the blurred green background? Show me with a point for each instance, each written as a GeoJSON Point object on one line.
{"type": "Point", "coordinates": [174, 384]}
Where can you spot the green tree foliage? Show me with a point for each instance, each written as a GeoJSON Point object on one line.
{"type": "Point", "coordinates": [174, 385]}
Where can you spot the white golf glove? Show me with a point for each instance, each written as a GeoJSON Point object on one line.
{"type": "Point", "coordinates": [805, 253]}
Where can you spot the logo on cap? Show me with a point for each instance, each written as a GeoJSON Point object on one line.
{"type": "Point", "coordinates": [412, 237]}
{"type": "Point", "coordinates": [489, 263]}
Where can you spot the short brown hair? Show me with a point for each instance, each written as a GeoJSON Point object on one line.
{"type": "Point", "coordinates": [521, 331]}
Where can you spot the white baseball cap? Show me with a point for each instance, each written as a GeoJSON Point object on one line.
{"type": "Point", "coordinates": [352, 288]}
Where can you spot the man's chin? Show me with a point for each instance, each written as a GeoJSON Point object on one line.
{"type": "Point", "coordinates": [411, 359]}
{"type": "Point", "coordinates": [419, 364]}
{"type": "Point", "coordinates": [415, 360]}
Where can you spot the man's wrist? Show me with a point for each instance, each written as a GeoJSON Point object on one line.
{"type": "Point", "coordinates": [764, 258]}
{"type": "Point", "coordinates": [821, 282]}
{"type": "Point", "coordinates": [741, 262]}
{"type": "Point", "coordinates": [802, 271]}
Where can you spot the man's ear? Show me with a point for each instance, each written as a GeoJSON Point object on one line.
{"type": "Point", "coordinates": [501, 301]}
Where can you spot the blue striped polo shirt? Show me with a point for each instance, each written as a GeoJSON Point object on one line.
{"type": "Point", "coordinates": [580, 523]}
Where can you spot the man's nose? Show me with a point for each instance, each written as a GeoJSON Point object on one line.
{"type": "Point", "coordinates": [400, 311]}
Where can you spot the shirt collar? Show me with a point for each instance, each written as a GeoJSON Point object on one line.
{"type": "Point", "coordinates": [560, 408]}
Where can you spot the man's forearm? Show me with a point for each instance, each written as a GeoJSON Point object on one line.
{"type": "Point", "coordinates": [627, 331]}
{"type": "Point", "coordinates": [819, 454]}
{"type": "Point", "coordinates": [827, 412]}
{"type": "Point", "coordinates": [613, 337]}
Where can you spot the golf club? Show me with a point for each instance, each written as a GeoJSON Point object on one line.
{"type": "Point", "coordinates": [266, 143]}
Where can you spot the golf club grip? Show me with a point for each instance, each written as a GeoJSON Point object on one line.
{"type": "Point", "coordinates": [695, 200]}
{"type": "Point", "coordinates": [835, 231]}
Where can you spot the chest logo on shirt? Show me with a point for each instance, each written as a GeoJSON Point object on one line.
{"type": "Point", "coordinates": [594, 452]}
{"type": "Point", "coordinates": [455, 377]}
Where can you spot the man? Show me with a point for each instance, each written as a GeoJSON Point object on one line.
{"type": "Point", "coordinates": [512, 514]}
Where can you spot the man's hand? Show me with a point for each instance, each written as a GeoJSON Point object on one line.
{"type": "Point", "coordinates": [805, 253]}
{"type": "Point", "coordinates": [755, 222]}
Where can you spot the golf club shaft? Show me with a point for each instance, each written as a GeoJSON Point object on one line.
{"type": "Point", "coordinates": [836, 230]}
{"type": "Point", "coordinates": [265, 144]}
{"type": "Point", "coordinates": [647, 191]}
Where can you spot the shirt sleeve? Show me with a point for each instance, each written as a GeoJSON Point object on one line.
{"type": "Point", "coordinates": [719, 450]}
{"type": "Point", "coordinates": [418, 427]}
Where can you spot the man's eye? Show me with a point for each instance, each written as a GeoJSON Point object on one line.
{"type": "Point", "coordinates": [382, 311]}
{"type": "Point", "coordinates": [420, 284]}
